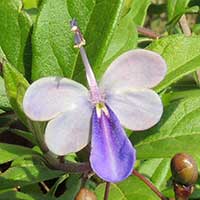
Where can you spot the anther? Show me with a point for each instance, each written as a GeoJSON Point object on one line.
{"type": "Point", "coordinates": [78, 37]}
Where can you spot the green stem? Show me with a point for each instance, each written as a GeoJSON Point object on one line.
{"type": "Point", "coordinates": [37, 130]}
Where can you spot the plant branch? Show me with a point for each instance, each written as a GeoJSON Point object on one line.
{"type": "Point", "coordinates": [149, 184]}
{"type": "Point", "coordinates": [69, 167]}
{"type": "Point", "coordinates": [148, 32]}
{"type": "Point", "coordinates": [107, 190]}
{"type": "Point", "coordinates": [184, 26]}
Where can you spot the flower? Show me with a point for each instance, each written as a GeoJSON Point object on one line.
{"type": "Point", "coordinates": [122, 98]}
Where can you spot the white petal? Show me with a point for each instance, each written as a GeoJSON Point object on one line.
{"type": "Point", "coordinates": [70, 131]}
{"type": "Point", "coordinates": [49, 96]}
{"type": "Point", "coordinates": [136, 109]}
{"type": "Point", "coordinates": [135, 69]}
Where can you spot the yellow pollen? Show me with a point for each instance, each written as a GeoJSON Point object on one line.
{"type": "Point", "coordinates": [101, 107]}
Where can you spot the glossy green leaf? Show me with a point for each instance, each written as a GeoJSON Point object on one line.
{"type": "Point", "coordinates": [124, 39]}
{"type": "Point", "coordinates": [13, 195]}
{"type": "Point", "coordinates": [53, 41]}
{"type": "Point", "coordinates": [139, 11]}
{"type": "Point", "coordinates": [157, 170]}
{"type": "Point", "coordinates": [73, 184]}
{"type": "Point", "coordinates": [176, 8]}
{"type": "Point", "coordinates": [131, 188]}
{"type": "Point", "coordinates": [182, 55]}
{"type": "Point", "coordinates": [16, 86]}
{"type": "Point", "coordinates": [4, 102]}
{"type": "Point", "coordinates": [178, 131]}
{"type": "Point", "coordinates": [56, 185]}
{"type": "Point", "coordinates": [25, 134]}
{"type": "Point", "coordinates": [30, 3]}
{"type": "Point", "coordinates": [10, 152]}
{"type": "Point", "coordinates": [6, 119]}
{"type": "Point", "coordinates": [25, 171]}
{"type": "Point", "coordinates": [15, 28]}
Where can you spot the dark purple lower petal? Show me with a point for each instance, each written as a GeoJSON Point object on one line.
{"type": "Point", "coordinates": [112, 155]}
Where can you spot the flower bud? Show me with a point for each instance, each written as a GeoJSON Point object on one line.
{"type": "Point", "coordinates": [85, 194]}
{"type": "Point", "coordinates": [184, 169]}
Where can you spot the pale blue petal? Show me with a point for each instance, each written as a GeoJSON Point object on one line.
{"type": "Point", "coordinates": [134, 69]}
{"type": "Point", "coordinates": [112, 155]}
{"type": "Point", "coordinates": [70, 131]}
{"type": "Point", "coordinates": [47, 97]}
{"type": "Point", "coordinates": [136, 109]}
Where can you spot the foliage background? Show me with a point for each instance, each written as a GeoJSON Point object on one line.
{"type": "Point", "coordinates": [36, 41]}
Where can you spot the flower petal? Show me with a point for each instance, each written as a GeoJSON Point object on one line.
{"type": "Point", "coordinates": [135, 69]}
{"type": "Point", "coordinates": [70, 131]}
{"type": "Point", "coordinates": [112, 155]}
{"type": "Point", "coordinates": [49, 96]}
{"type": "Point", "coordinates": [136, 109]}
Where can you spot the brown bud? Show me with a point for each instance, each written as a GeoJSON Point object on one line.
{"type": "Point", "coordinates": [85, 194]}
{"type": "Point", "coordinates": [184, 169]}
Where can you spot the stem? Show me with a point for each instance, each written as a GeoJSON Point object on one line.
{"type": "Point", "coordinates": [36, 129]}
{"type": "Point", "coordinates": [51, 161]}
{"type": "Point", "coordinates": [44, 186]}
{"type": "Point", "coordinates": [184, 26]}
{"type": "Point", "coordinates": [148, 32]}
{"type": "Point", "coordinates": [182, 192]}
{"type": "Point", "coordinates": [107, 190]}
{"type": "Point", "coordinates": [149, 184]}
{"type": "Point", "coordinates": [69, 167]}
{"type": "Point", "coordinates": [61, 159]}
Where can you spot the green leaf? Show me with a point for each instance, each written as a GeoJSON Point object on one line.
{"type": "Point", "coordinates": [131, 188]}
{"type": "Point", "coordinates": [176, 8]}
{"type": "Point", "coordinates": [16, 86]}
{"type": "Point", "coordinates": [30, 4]}
{"type": "Point", "coordinates": [25, 171]}
{"type": "Point", "coordinates": [178, 131]}
{"type": "Point", "coordinates": [6, 119]}
{"type": "Point", "coordinates": [10, 152]}
{"type": "Point", "coordinates": [25, 134]}
{"type": "Point", "coordinates": [15, 28]}
{"type": "Point", "coordinates": [4, 102]}
{"type": "Point", "coordinates": [182, 55]}
{"type": "Point", "coordinates": [157, 170]}
{"type": "Point", "coordinates": [139, 10]}
{"type": "Point", "coordinates": [124, 39]}
{"type": "Point", "coordinates": [73, 184]}
{"type": "Point", "coordinates": [59, 181]}
{"type": "Point", "coordinates": [53, 41]}
{"type": "Point", "coordinates": [13, 195]}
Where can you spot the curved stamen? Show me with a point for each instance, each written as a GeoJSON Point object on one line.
{"type": "Point", "coordinates": [96, 96]}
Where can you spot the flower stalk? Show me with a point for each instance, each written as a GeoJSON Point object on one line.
{"type": "Point", "coordinates": [149, 184]}
{"type": "Point", "coordinates": [107, 190]}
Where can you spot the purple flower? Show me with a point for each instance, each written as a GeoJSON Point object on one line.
{"type": "Point", "coordinates": [122, 97]}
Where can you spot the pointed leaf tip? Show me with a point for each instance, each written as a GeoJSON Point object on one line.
{"type": "Point", "coordinates": [112, 155]}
